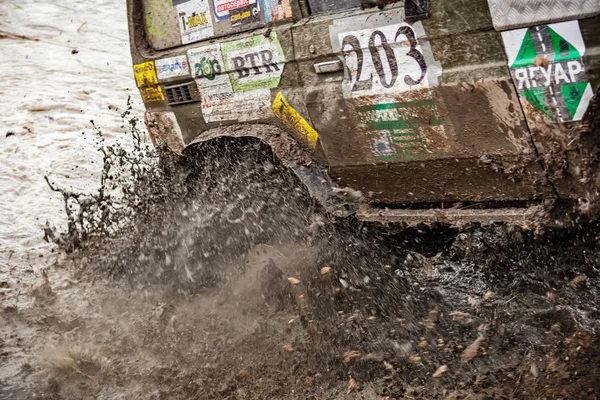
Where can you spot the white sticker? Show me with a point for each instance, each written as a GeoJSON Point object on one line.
{"type": "Point", "coordinates": [255, 62]}
{"type": "Point", "coordinates": [172, 67]}
{"type": "Point", "coordinates": [219, 101]}
{"type": "Point", "coordinates": [384, 60]}
{"type": "Point", "coordinates": [195, 21]}
{"type": "Point", "coordinates": [546, 63]}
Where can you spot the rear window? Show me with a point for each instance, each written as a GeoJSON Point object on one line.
{"type": "Point", "coordinates": [179, 22]}
{"type": "Point", "coordinates": [325, 6]}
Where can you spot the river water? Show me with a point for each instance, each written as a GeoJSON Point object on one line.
{"type": "Point", "coordinates": [63, 64]}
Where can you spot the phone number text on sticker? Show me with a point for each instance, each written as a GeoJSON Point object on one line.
{"type": "Point", "coordinates": [388, 59]}
{"type": "Point", "coordinates": [222, 7]}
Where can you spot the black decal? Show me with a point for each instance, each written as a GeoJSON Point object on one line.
{"type": "Point", "coordinates": [389, 54]}
{"type": "Point", "coordinates": [238, 66]}
{"type": "Point", "coordinates": [353, 42]}
{"type": "Point", "coordinates": [413, 52]}
{"type": "Point", "coordinates": [251, 58]}
{"type": "Point", "coordinates": [267, 60]}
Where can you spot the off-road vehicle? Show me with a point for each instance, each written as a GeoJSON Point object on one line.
{"type": "Point", "coordinates": [414, 110]}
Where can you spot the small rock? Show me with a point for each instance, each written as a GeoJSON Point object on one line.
{"type": "Point", "coordinates": [432, 318]}
{"type": "Point", "coordinates": [489, 296]}
{"type": "Point", "coordinates": [326, 270]}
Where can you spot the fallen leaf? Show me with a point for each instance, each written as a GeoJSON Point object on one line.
{"type": "Point", "coordinates": [533, 370]}
{"type": "Point", "coordinates": [352, 385]}
{"type": "Point", "coordinates": [294, 281]}
{"type": "Point", "coordinates": [459, 315]}
{"type": "Point", "coordinates": [288, 348]}
{"type": "Point", "coordinates": [351, 355]}
{"type": "Point", "coordinates": [325, 270]}
{"type": "Point", "coordinates": [440, 371]}
{"type": "Point", "coordinates": [578, 282]}
{"type": "Point", "coordinates": [432, 318]}
{"type": "Point", "coordinates": [473, 302]}
{"type": "Point", "coordinates": [471, 351]}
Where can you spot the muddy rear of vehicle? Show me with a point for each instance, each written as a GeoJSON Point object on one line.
{"type": "Point", "coordinates": [435, 111]}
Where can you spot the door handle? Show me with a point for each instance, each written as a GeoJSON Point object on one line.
{"type": "Point", "coordinates": [327, 67]}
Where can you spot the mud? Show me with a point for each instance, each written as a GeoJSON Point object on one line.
{"type": "Point", "coordinates": [220, 278]}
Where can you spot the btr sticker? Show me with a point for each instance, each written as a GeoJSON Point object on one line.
{"type": "Point", "coordinates": [172, 67]}
{"type": "Point", "coordinates": [254, 63]}
{"type": "Point", "coordinates": [195, 21]}
{"type": "Point", "coordinates": [219, 101]}
{"type": "Point", "coordinates": [547, 67]}
{"type": "Point", "coordinates": [223, 8]}
{"type": "Point", "coordinates": [276, 10]}
{"type": "Point", "coordinates": [147, 82]}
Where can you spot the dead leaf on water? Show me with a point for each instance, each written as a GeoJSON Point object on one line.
{"type": "Point", "coordinates": [432, 318]}
{"type": "Point", "coordinates": [352, 385]}
{"type": "Point", "coordinates": [351, 355]}
{"type": "Point", "coordinates": [472, 350]}
{"type": "Point", "coordinates": [288, 348]}
{"type": "Point", "coordinates": [440, 371]}
{"type": "Point", "coordinates": [473, 302]}
{"type": "Point", "coordinates": [578, 282]}
{"type": "Point", "coordinates": [243, 374]}
{"type": "Point", "coordinates": [294, 281]}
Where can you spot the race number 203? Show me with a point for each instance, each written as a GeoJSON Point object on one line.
{"type": "Point", "coordinates": [388, 59]}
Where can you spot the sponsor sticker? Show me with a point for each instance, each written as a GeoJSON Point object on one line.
{"type": "Point", "coordinates": [172, 67]}
{"type": "Point", "coordinates": [405, 131]}
{"type": "Point", "coordinates": [276, 10]}
{"type": "Point", "coordinates": [224, 7]}
{"type": "Point", "coordinates": [195, 21]}
{"type": "Point", "coordinates": [219, 101]}
{"type": "Point", "coordinates": [245, 15]}
{"type": "Point", "coordinates": [546, 63]}
{"type": "Point", "coordinates": [254, 63]}
{"type": "Point", "coordinates": [389, 72]}
{"type": "Point", "coordinates": [147, 82]}
{"type": "Point", "coordinates": [387, 59]}
{"type": "Point", "coordinates": [293, 120]}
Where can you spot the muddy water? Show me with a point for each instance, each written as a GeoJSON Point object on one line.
{"type": "Point", "coordinates": [237, 286]}
{"type": "Point", "coordinates": [63, 64]}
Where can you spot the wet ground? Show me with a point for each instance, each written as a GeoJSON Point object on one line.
{"type": "Point", "coordinates": [217, 279]}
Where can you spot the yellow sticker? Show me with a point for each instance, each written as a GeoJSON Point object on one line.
{"type": "Point", "coordinates": [145, 77]}
{"type": "Point", "coordinates": [293, 120]}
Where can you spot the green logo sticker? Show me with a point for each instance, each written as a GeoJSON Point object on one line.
{"type": "Point", "coordinates": [547, 68]}
{"type": "Point", "coordinates": [404, 131]}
